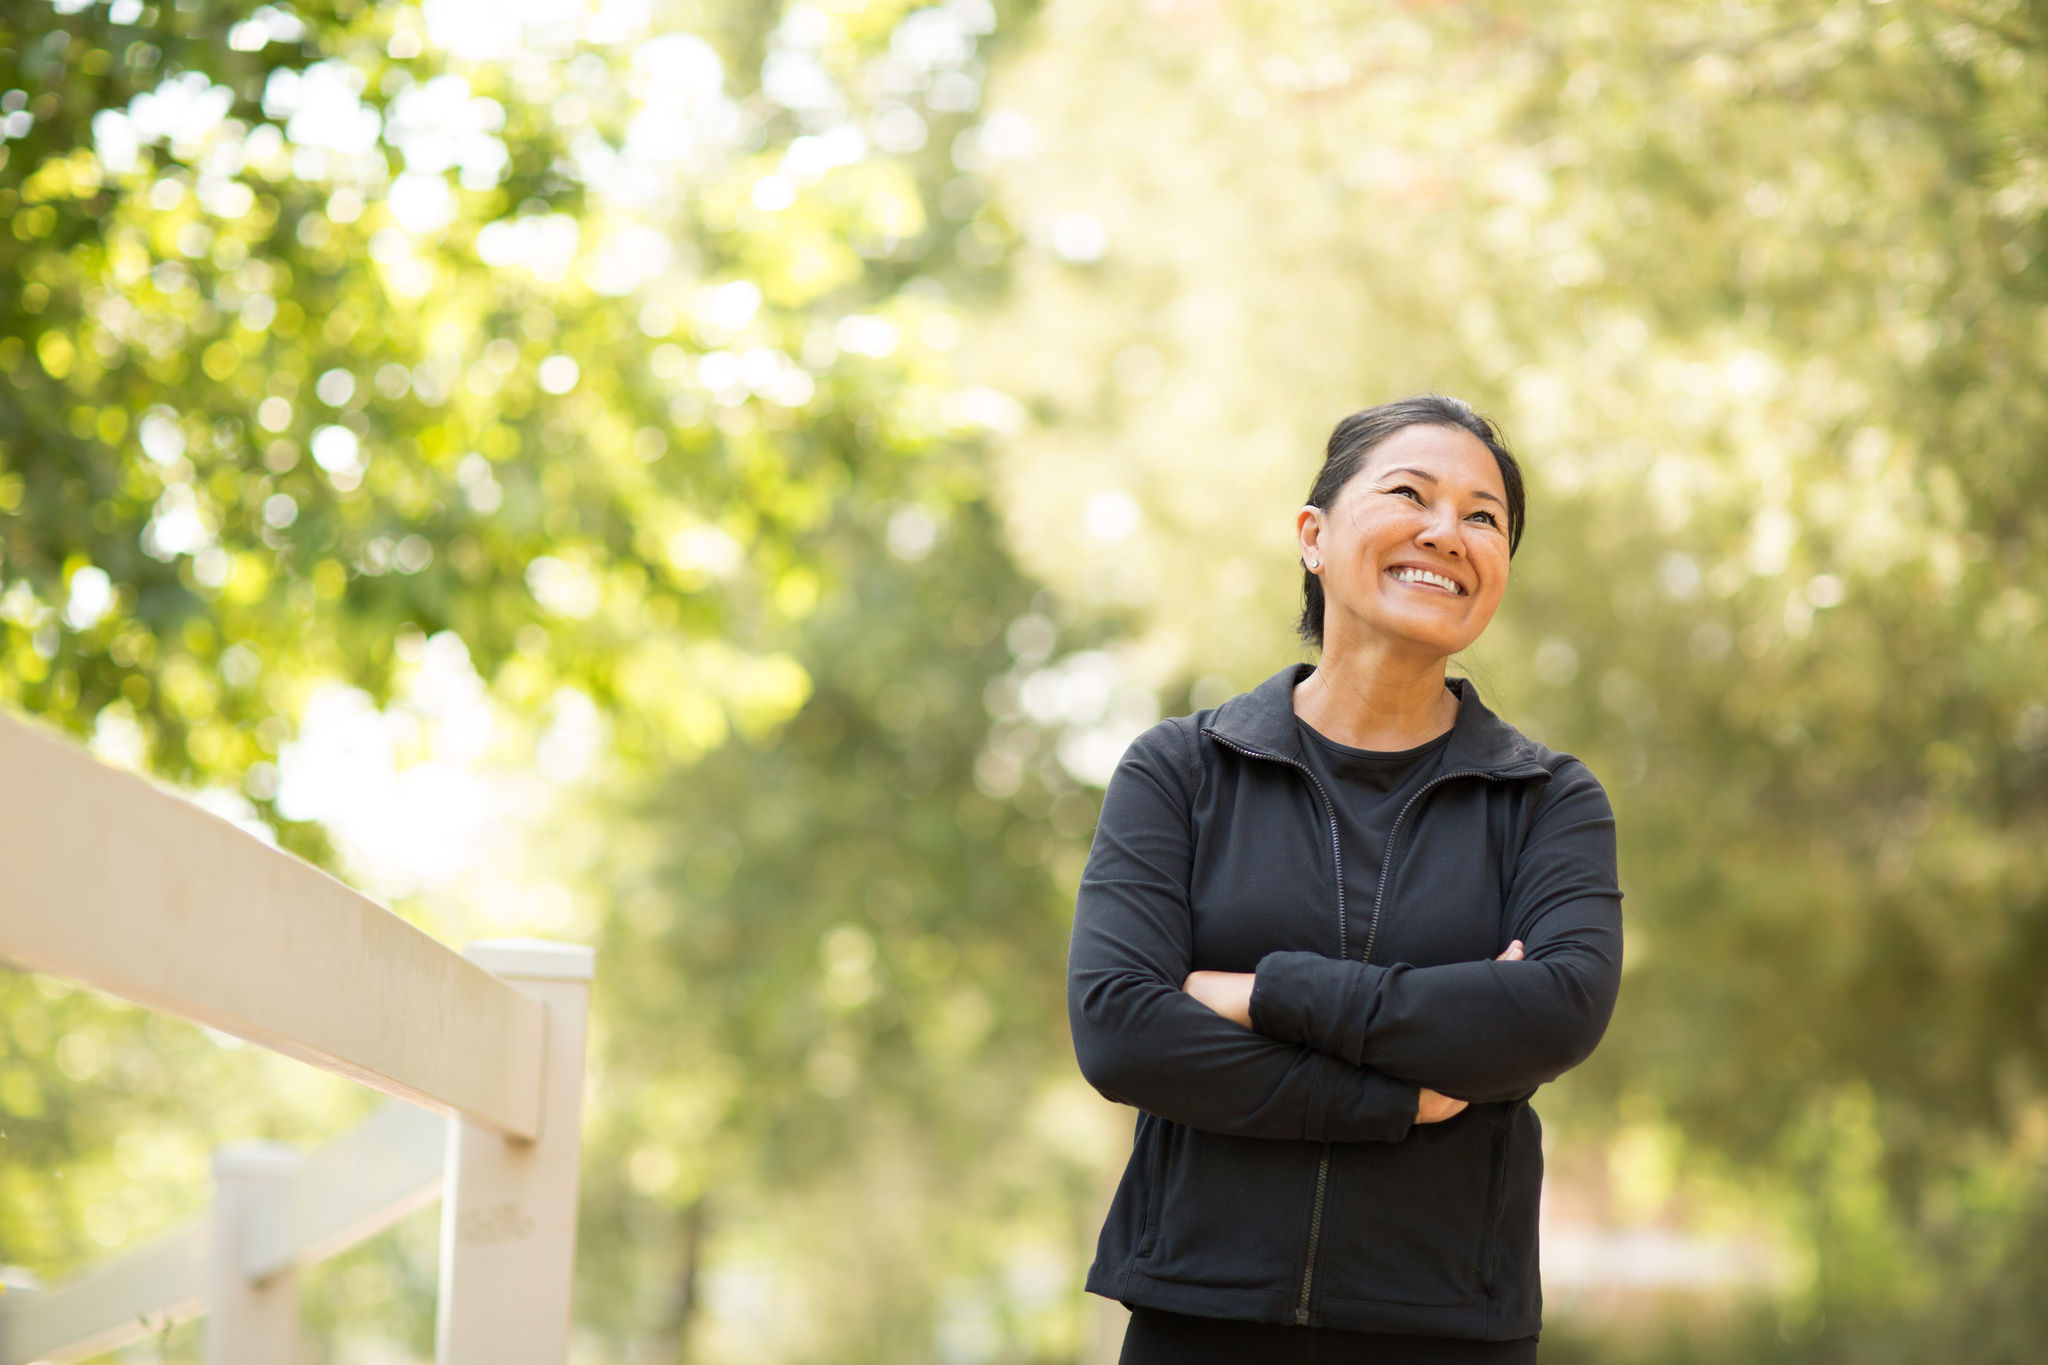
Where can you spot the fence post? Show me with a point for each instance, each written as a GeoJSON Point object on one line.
{"type": "Point", "coordinates": [508, 1216]}
{"type": "Point", "coordinates": [251, 1322]}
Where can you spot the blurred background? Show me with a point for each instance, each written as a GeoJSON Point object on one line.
{"type": "Point", "coordinates": [723, 481]}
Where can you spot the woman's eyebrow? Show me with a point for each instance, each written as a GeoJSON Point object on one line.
{"type": "Point", "coordinates": [1428, 477]}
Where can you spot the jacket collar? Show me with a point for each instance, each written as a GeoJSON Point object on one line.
{"type": "Point", "coordinates": [1263, 720]}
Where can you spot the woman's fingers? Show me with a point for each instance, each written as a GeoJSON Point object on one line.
{"type": "Point", "coordinates": [1227, 993]}
{"type": "Point", "coordinates": [1433, 1107]}
{"type": "Point", "coordinates": [1513, 954]}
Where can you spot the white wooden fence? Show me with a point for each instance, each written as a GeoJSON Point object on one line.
{"type": "Point", "coordinates": [110, 882]}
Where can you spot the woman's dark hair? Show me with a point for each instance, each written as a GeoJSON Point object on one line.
{"type": "Point", "coordinates": [1353, 440]}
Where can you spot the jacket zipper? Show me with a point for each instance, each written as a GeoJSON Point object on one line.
{"type": "Point", "coordinates": [1315, 1222]}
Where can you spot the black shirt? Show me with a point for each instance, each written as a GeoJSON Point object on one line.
{"type": "Point", "coordinates": [1369, 788]}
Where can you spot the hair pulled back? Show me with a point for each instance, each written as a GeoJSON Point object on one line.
{"type": "Point", "coordinates": [1354, 438]}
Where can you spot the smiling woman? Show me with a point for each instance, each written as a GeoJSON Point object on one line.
{"type": "Point", "coordinates": [1331, 937]}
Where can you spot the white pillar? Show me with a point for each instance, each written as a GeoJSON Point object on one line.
{"type": "Point", "coordinates": [508, 1216]}
{"type": "Point", "coordinates": [251, 1322]}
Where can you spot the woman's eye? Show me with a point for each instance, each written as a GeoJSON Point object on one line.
{"type": "Point", "coordinates": [1491, 519]}
{"type": "Point", "coordinates": [1399, 489]}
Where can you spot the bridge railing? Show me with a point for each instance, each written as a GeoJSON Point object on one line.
{"type": "Point", "coordinates": [115, 884]}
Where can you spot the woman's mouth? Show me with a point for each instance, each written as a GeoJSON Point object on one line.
{"type": "Point", "coordinates": [1426, 578]}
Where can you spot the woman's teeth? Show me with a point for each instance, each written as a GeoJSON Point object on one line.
{"type": "Point", "coordinates": [1407, 575]}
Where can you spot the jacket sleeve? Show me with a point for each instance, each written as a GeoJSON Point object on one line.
{"type": "Point", "coordinates": [1140, 1039]}
{"type": "Point", "coordinates": [1480, 1031]}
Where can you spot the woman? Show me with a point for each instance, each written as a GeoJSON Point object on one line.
{"type": "Point", "coordinates": [1332, 935]}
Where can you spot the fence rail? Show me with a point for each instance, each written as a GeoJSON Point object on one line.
{"type": "Point", "coordinates": [119, 885]}
{"type": "Point", "coordinates": [132, 890]}
{"type": "Point", "coordinates": [352, 1189]}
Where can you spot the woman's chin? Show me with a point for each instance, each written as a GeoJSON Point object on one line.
{"type": "Point", "coordinates": [1425, 632]}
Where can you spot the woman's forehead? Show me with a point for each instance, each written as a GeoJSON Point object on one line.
{"type": "Point", "coordinates": [1451, 456]}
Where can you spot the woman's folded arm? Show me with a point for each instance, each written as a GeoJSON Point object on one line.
{"type": "Point", "coordinates": [1488, 1030]}
{"type": "Point", "coordinates": [1140, 1039]}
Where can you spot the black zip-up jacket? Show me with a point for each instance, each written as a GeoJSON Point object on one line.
{"type": "Point", "coordinates": [1277, 1173]}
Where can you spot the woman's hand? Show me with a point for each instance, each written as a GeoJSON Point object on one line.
{"type": "Point", "coordinates": [1228, 993]}
{"type": "Point", "coordinates": [1432, 1107]}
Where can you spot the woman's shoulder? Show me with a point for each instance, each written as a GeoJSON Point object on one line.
{"type": "Point", "coordinates": [1550, 788]}
{"type": "Point", "coordinates": [1565, 784]}
{"type": "Point", "coordinates": [1169, 741]}
{"type": "Point", "coordinates": [1564, 775]}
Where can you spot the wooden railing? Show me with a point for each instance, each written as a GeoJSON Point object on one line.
{"type": "Point", "coordinates": [110, 882]}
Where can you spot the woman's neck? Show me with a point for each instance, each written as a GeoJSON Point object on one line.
{"type": "Point", "coordinates": [1376, 702]}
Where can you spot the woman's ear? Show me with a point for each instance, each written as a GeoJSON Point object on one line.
{"type": "Point", "coordinates": [1308, 535]}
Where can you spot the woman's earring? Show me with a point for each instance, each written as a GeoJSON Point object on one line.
{"type": "Point", "coordinates": [1314, 564]}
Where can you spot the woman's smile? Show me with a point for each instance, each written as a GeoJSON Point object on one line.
{"type": "Point", "coordinates": [1428, 580]}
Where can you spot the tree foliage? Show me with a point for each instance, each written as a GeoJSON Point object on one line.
{"type": "Point", "coordinates": [615, 350]}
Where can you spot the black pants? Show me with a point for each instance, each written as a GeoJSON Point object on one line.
{"type": "Point", "coordinates": [1157, 1337]}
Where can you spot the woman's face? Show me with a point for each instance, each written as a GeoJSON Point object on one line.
{"type": "Point", "coordinates": [1414, 548]}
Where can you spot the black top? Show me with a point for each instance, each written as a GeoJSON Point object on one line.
{"type": "Point", "coordinates": [1277, 1174]}
{"type": "Point", "coordinates": [1369, 788]}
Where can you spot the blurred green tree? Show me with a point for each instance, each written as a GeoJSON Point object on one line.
{"type": "Point", "coordinates": [1758, 292]}
{"type": "Point", "coordinates": [837, 1046]}
{"type": "Point", "coordinates": [616, 349]}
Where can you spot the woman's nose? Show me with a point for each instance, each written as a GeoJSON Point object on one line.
{"type": "Point", "coordinates": [1445, 538]}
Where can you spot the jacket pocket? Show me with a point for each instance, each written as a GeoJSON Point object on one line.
{"type": "Point", "coordinates": [1228, 1211]}
{"type": "Point", "coordinates": [1513, 1288]}
{"type": "Point", "coordinates": [1150, 1164]}
{"type": "Point", "coordinates": [1413, 1221]}
{"type": "Point", "coordinates": [1489, 1246]}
